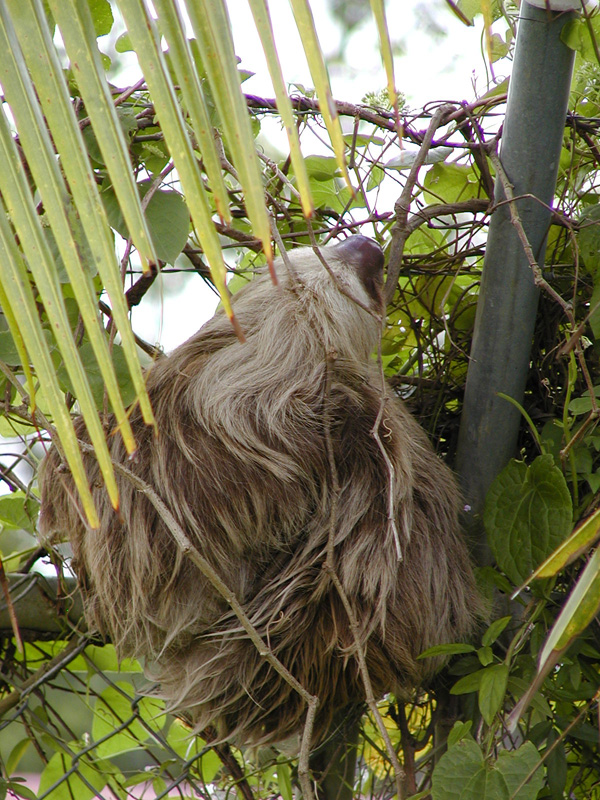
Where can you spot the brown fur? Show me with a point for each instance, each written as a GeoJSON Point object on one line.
{"type": "Point", "coordinates": [241, 461]}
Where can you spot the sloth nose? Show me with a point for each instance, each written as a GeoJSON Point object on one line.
{"type": "Point", "coordinates": [362, 253]}
{"type": "Point", "coordinates": [366, 257]}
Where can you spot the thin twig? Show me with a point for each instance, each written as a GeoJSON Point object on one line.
{"type": "Point", "coordinates": [542, 283]}
{"type": "Point", "coordinates": [329, 568]}
{"type": "Point", "coordinates": [391, 494]}
{"type": "Point", "coordinates": [223, 750]}
{"type": "Point", "coordinates": [554, 745]}
{"type": "Point", "coordinates": [44, 673]}
{"type": "Point", "coordinates": [12, 614]}
{"type": "Point", "coordinates": [400, 231]}
{"type": "Point", "coordinates": [515, 218]}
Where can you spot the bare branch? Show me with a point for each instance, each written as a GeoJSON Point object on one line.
{"type": "Point", "coordinates": [400, 231]}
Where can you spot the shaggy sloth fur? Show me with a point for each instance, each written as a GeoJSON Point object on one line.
{"type": "Point", "coordinates": [241, 460]}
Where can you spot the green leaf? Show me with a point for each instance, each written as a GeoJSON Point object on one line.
{"type": "Point", "coordinates": [83, 237]}
{"type": "Point", "coordinates": [494, 630]}
{"type": "Point", "coordinates": [446, 650]}
{"type": "Point", "coordinates": [105, 660]}
{"type": "Point", "coordinates": [102, 16]}
{"type": "Point", "coordinates": [183, 741]}
{"type": "Point", "coordinates": [189, 73]}
{"type": "Point", "coordinates": [318, 70]}
{"type": "Point", "coordinates": [514, 767]}
{"type": "Point", "coordinates": [188, 745]}
{"type": "Point", "coordinates": [580, 609]}
{"type": "Point", "coordinates": [95, 375]}
{"type": "Point", "coordinates": [18, 790]}
{"type": "Point", "coordinates": [459, 731]}
{"type": "Point", "coordinates": [576, 35]}
{"type": "Point", "coordinates": [73, 786]}
{"type": "Point", "coordinates": [577, 613]}
{"type": "Point", "coordinates": [16, 754]}
{"type": "Point", "coordinates": [167, 217]}
{"type": "Point", "coordinates": [450, 183]}
{"type": "Point", "coordinates": [123, 44]}
{"type": "Point", "coordinates": [500, 47]}
{"type": "Point", "coordinates": [363, 140]}
{"type": "Point", "coordinates": [385, 48]}
{"type": "Point", "coordinates": [212, 30]}
{"type": "Point", "coordinates": [284, 778]}
{"type": "Point", "coordinates": [146, 40]}
{"type": "Point", "coordinates": [9, 352]}
{"type": "Point", "coordinates": [152, 711]}
{"type": "Point", "coordinates": [588, 238]}
{"type": "Point", "coordinates": [556, 766]}
{"type": "Point", "coordinates": [321, 168]}
{"type": "Point", "coordinates": [111, 710]}
{"type": "Point", "coordinates": [578, 542]}
{"type": "Point", "coordinates": [462, 774]}
{"type": "Point", "coordinates": [528, 513]}
{"type": "Point", "coordinates": [518, 687]}
{"type": "Point", "coordinates": [18, 511]}
{"type": "Point", "coordinates": [456, 773]}
{"type": "Point", "coordinates": [468, 683]}
{"type": "Point", "coordinates": [262, 20]}
{"type": "Point", "coordinates": [211, 766]}
{"type": "Point", "coordinates": [583, 404]}
{"type": "Point", "coordinates": [376, 175]}
{"type": "Point", "coordinates": [594, 319]}
{"type": "Point", "coordinates": [330, 195]}
{"type": "Point", "coordinates": [470, 8]}
{"type": "Point", "coordinates": [492, 689]}
{"type": "Point", "coordinates": [424, 240]}
{"type": "Point", "coordinates": [76, 26]}
{"type": "Point", "coordinates": [16, 287]}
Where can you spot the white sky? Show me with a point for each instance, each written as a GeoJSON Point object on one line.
{"type": "Point", "coordinates": [431, 68]}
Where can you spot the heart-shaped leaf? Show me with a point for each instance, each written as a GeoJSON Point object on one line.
{"type": "Point", "coordinates": [462, 774]}
{"type": "Point", "coordinates": [528, 514]}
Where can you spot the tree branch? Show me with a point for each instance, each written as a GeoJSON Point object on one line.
{"type": "Point", "coordinates": [400, 230]}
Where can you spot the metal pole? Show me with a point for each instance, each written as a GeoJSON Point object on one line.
{"type": "Point", "coordinates": [530, 150]}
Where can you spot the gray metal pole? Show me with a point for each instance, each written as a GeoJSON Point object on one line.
{"type": "Point", "coordinates": [530, 149]}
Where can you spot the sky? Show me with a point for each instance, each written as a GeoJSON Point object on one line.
{"type": "Point", "coordinates": [439, 58]}
{"type": "Point", "coordinates": [438, 52]}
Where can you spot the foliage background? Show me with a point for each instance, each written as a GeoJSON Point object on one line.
{"type": "Point", "coordinates": [72, 712]}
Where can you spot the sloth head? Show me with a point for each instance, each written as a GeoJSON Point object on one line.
{"type": "Point", "coordinates": [355, 265]}
{"type": "Point", "coordinates": [330, 299]}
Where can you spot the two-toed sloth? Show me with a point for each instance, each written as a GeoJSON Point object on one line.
{"type": "Point", "coordinates": [263, 450]}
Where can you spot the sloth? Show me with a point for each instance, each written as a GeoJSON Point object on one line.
{"type": "Point", "coordinates": [270, 454]}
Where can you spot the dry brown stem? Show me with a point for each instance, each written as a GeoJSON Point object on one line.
{"type": "Point", "coordinates": [400, 230]}
{"type": "Point", "coordinates": [329, 567]}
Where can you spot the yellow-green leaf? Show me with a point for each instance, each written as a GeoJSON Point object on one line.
{"type": "Point", "coordinates": [146, 42]}
{"type": "Point", "coordinates": [578, 542]}
{"type": "Point", "coordinates": [264, 27]}
{"type": "Point", "coordinates": [318, 70]}
{"type": "Point", "coordinates": [172, 27]}
{"type": "Point", "coordinates": [212, 30]}
{"type": "Point", "coordinates": [76, 26]}
{"type": "Point", "coordinates": [577, 613]}
{"type": "Point", "coordinates": [18, 293]}
{"type": "Point", "coordinates": [42, 60]}
{"type": "Point", "coordinates": [387, 56]}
